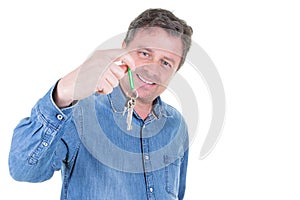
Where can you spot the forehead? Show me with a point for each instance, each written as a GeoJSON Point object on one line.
{"type": "Point", "coordinates": [157, 38]}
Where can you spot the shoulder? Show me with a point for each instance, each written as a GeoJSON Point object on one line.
{"type": "Point", "coordinates": [177, 121]}
{"type": "Point", "coordinates": [173, 114]}
{"type": "Point", "coordinates": [170, 111]}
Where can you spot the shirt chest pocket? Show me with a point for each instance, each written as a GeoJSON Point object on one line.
{"type": "Point", "coordinates": [172, 173]}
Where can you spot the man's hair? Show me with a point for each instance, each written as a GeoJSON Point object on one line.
{"type": "Point", "coordinates": [164, 19]}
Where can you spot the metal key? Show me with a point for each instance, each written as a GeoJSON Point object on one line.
{"type": "Point", "coordinates": [131, 101]}
{"type": "Point", "coordinates": [129, 108]}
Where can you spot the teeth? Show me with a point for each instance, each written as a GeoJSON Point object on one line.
{"type": "Point", "coordinates": [145, 81]}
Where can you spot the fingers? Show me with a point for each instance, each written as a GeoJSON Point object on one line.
{"type": "Point", "coordinates": [118, 70]}
{"type": "Point", "coordinates": [115, 71]}
{"type": "Point", "coordinates": [128, 61]}
{"type": "Point", "coordinates": [120, 56]}
{"type": "Point", "coordinates": [100, 73]}
{"type": "Point", "coordinates": [104, 87]}
{"type": "Point", "coordinates": [110, 79]}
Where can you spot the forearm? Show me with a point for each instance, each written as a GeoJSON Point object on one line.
{"type": "Point", "coordinates": [34, 141]}
{"type": "Point", "coordinates": [64, 90]}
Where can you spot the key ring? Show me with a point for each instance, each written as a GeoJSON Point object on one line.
{"type": "Point", "coordinates": [134, 91]}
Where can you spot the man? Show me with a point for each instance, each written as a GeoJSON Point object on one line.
{"type": "Point", "coordinates": [83, 125]}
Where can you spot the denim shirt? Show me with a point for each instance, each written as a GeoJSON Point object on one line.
{"type": "Point", "coordinates": [98, 157]}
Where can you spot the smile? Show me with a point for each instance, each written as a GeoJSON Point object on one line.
{"type": "Point", "coordinates": [144, 80]}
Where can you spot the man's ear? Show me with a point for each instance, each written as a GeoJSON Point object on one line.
{"type": "Point", "coordinates": [123, 44]}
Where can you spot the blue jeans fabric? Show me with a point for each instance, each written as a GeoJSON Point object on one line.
{"type": "Point", "coordinates": [98, 157]}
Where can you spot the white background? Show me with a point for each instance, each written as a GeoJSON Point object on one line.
{"type": "Point", "coordinates": [255, 46]}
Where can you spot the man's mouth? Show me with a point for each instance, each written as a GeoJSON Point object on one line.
{"type": "Point", "coordinates": [144, 80]}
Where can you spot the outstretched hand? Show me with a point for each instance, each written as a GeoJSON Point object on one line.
{"type": "Point", "coordinates": [99, 73]}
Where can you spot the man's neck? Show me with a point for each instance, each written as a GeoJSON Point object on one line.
{"type": "Point", "coordinates": [143, 109]}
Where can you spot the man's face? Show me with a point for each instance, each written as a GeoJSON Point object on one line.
{"type": "Point", "coordinates": [157, 56]}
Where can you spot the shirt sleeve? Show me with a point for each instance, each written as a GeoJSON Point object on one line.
{"type": "Point", "coordinates": [36, 139]}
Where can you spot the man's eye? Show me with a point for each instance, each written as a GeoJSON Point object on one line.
{"type": "Point", "coordinates": [144, 54]}
{"type": "Point", "coordinates": [165, 63]}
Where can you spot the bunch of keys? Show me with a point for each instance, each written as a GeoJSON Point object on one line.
{"type": "Point", "coordinates": [131, 102]}
{"type": "Point", "coordinates": [129, 107]}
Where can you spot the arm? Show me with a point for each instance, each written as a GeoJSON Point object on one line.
{"type": "Point", "coordinates": [36, 139]}
{"type": "Point", "coordinates": [99, 73]}
{"type": "Point", "coordinates": [36, 142]}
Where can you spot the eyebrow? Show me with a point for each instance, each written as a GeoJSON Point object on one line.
{"type": "Point", "coordinates": [170, 60]}
{"type": "Point", "coordinates": [165, 57]}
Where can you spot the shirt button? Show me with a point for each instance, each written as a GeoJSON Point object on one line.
{"type": "Point", "coordinates": [151, 189]}
{"type": "Point", "coordinates": [59, 117]}
{"type": "Point", "coordinates": [146, 157]}
{"type": "Point", "coordinates": [45, 144]}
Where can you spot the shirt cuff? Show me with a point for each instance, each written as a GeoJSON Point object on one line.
{"type": "Point", "coordinates": [50, 112]}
